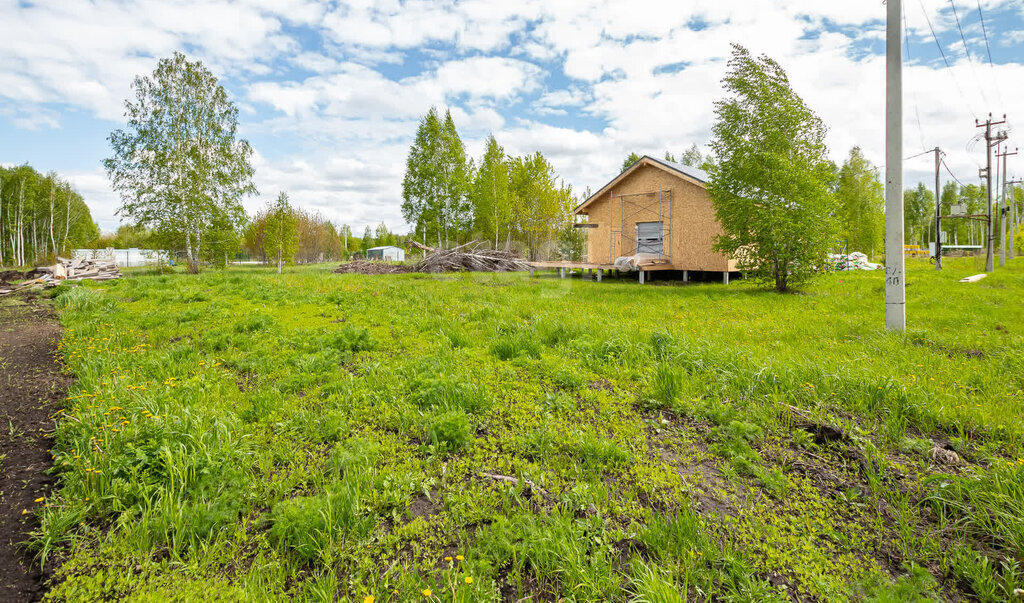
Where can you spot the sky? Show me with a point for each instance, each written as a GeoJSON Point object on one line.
{"type": "Point", "coordinates": [330, 93]}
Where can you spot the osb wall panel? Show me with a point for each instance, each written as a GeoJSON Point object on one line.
{"type": "Point", "coordinates": [690, 233]}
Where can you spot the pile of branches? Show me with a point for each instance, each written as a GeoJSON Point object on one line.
{"type": "Point", "coordinates": [366, 267]}
{"type": "Point", "coordinates": [78, 269]}
{"type": "Point", "coordinates": [465, 258]}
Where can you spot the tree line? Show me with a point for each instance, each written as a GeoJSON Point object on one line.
{"type": "Point", "coordinates": [515, 202]}
{"type": "Point", "coordinates": [41, 216]}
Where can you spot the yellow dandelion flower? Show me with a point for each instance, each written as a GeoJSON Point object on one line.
{"type": "Point", "coordinates": [459, 557]}
{"type": "Point", "coordinates": [426, 592]}
{"type": "Point", "coordinates": [469, 580]}
{"type": "Point", "coordinates": [447, 558]}
{"type": "Point", "coordinates": [40, 499]}
{"type": "Point", "coordinates": [368, 599]}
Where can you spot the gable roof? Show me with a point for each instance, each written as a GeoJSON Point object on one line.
{"type": "Point", "coordinates": [691, 174]}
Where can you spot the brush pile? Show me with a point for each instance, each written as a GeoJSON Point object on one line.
{"type": "Point", "coordinates": [368, 267]}
{"type": "Point", "coordinates": [464, 258]}
{"type": "Point", "coordinates": [469, 259]}
{"type": "Point", "coordinates": [78, 269]}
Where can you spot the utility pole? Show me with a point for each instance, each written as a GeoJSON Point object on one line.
{"type": "Point", "coordinates": [895, 286]}
{"type": "Point", "coordinates": [989, 143]}
{"type": "Point", "coordinates": [1013, 214]}
{"type": "Point", "coordinates": [1002, 212]}
{"type": "Point", "coordinates": [938, 212]}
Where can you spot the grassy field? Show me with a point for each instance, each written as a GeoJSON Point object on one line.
{"type": "Point", "coordinates": [244, 435]}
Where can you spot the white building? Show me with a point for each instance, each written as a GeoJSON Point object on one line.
{"type": "Point", "coordinates": [389, 253]}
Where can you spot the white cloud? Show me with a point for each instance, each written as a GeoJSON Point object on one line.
{"type": "Point", "coordinates": [346, 84]}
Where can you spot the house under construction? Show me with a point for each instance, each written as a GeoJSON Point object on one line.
{"type": "Point", "coordinates": [655, 216]}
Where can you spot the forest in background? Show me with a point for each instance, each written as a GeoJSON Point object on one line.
{"type": "Point", "coordinates": [41, 216]}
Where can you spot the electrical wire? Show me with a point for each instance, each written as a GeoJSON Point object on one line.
{"type": "Point", "coordinates": [988, 48]}
{"type": "Point", "coordinates": [951, 174]}
{"type": "Point", "coordinates": [967, 51]}
{"type": "Point", "coordinates": [985, 32]}
{"type": "Point", "coordinates": [946, 61]}
{"type": "Point", "coordinates": [918, 155]}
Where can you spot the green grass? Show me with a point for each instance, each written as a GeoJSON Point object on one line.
{"type": "Point", "coordinates": [244, 435]}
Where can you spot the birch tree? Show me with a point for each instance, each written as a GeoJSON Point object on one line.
{"type": "Point", "coordinates": [491, 197]}
{"type": "Point", "coordinates": [178, 165]}
{"type": "Point", "coordinates": [771, 182]}
{"type": "Point", "coordinates": [281, 237]}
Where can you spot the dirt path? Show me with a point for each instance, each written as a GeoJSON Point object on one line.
{"type": "Point", "coordinates": [31, 389]}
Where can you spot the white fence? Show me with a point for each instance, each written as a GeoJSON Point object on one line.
{"type": "Point", "coordinates": [125, 258]}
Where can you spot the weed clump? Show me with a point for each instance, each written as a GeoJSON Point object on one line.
{"type": "Point", "coordinates": [517, 345]}
{"type": "Point", "coordinates": [445, 393]}
{"type": "Point", "coordinates": [449, 431]}
{"type": "Point", "coordinates": [310, 526]}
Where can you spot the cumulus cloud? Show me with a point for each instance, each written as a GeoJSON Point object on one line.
{"type": "Point", "coordinates": [332, 93]}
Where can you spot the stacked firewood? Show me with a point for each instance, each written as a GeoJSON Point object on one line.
{"type": "Point", "coordinates": [78, 269]}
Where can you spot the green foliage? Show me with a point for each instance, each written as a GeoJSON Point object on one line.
{"type": "Point", "coordinates": [491, 198]}
{"type": "Point", "coordinates": [311, 526]}
{"type": "Point", "coordinates": [667, 385]}
{"type": "Point", "coordinates": [629, 161]}
{"type": "Point", "coordinates": [178, 166]}
{"type": "Point", "coordinates": [324, 436]}
{"type": "Point", "coordinates": [918, 212]}
{"type": "Point", "coordinates": [771, 183]}
{"type": "Point", "coordinates": [280, 239]}
{"type": "Point", "coordinates": [34, 204]}
{"type": "Point", "coordinates": [861, 202]}
{"type": "Point", "coordinates": [449, 431]}
{"type": "Point", "coordinates": [516, 345]}
{"type": "Point", "coordinates": [437, 181]}
{"type": "Point", "coordinates": [917, 586]}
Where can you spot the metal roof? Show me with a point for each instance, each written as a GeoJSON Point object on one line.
{"type": "Point", "coordinates": [383, 247]}
{"type": "Point", "coordinates": [690, 171]}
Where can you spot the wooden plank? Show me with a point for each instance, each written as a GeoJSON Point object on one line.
{"type": "Point", "coordinates": [973, 279]}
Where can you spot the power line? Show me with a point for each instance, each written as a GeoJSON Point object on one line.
{"type": "Point", "coordinates": [918, 155]}
{"type": "Point", "coordinates": [946, 61]}
{"type": "Point", "coordinates": [985, 32]}
{"type": "Point", "coordinates": [988, 48]}
{"type": "Point", "coordinates": [951, 174]}
{"type": "Point", "coordinates": [967, 51]}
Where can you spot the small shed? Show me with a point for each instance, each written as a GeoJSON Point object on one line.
{"type": "Point", "coordinates": [388, 253]}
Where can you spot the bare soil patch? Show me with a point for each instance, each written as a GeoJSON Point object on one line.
{"type": "Point", "coordinates": [32, 387]}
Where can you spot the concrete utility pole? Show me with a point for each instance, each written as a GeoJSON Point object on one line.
{"type": "Point", "coordinates": [1013, 214]}
{"type": "Point", "coordinates": [895, 286]}
{"type": "Point", "coordinates": [989, 143]}
{"type": "Point", "coordinates": [1002, 212]}
{"type": "Point", "coordinates": [938, 212]}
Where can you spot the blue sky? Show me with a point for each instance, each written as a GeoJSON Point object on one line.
{"type": "Point", "coordinates": [330, 92]}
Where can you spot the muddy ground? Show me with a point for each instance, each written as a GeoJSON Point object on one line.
{"type": "Point", "coordinates": [32, 388]}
